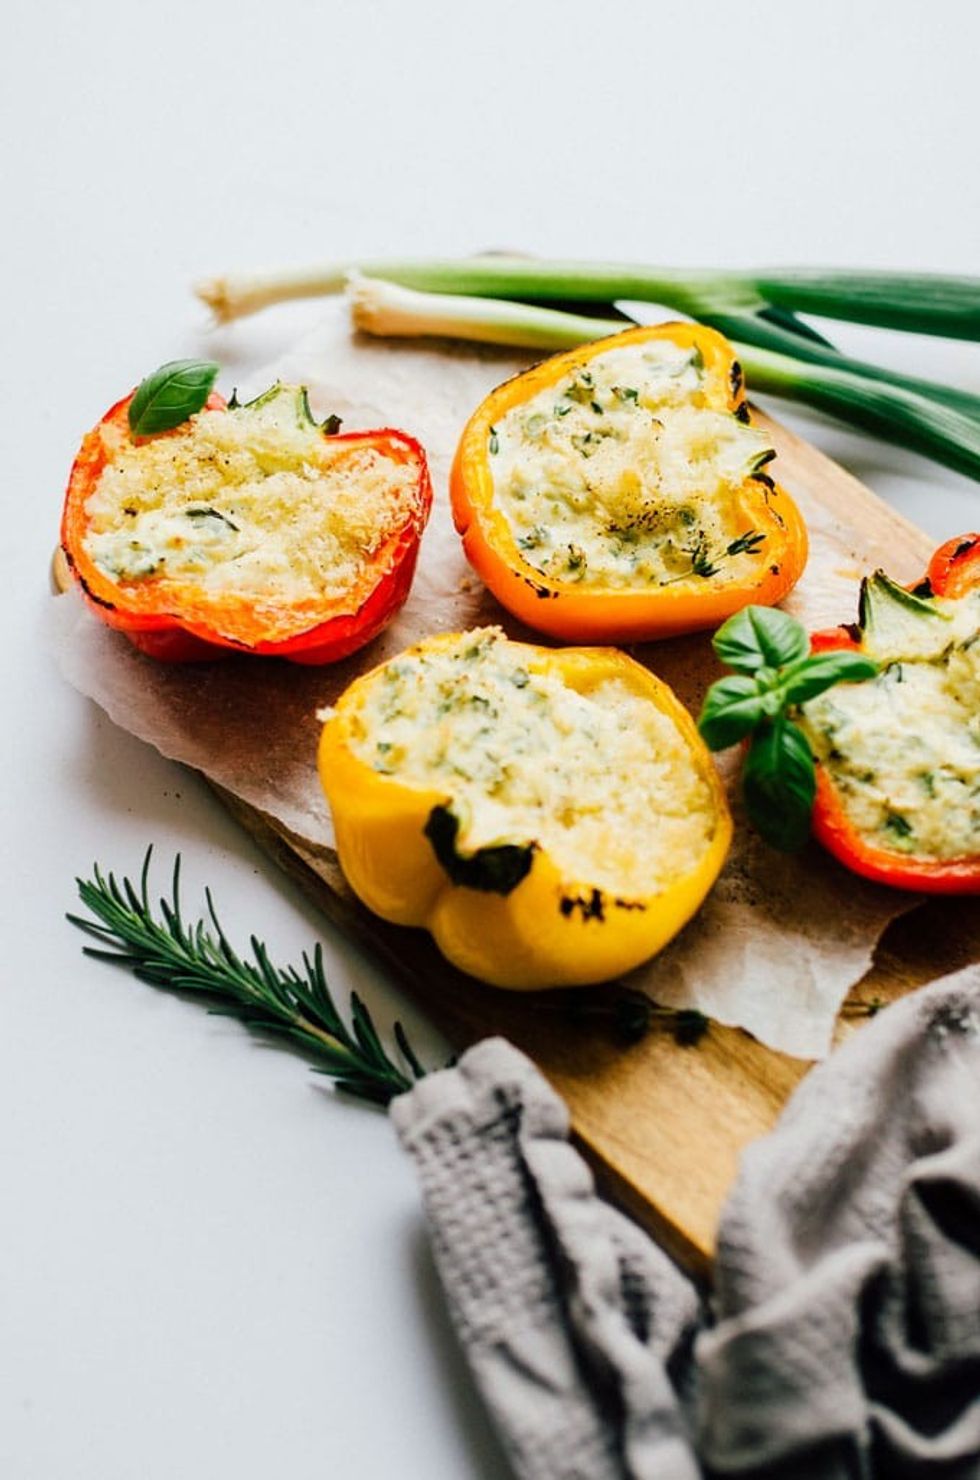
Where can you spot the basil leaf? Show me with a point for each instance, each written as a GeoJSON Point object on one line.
{"type": "Point", "coordinates": [779, 783]}
{"type": "Point", "coordinates": [826, 669]}
{"type": "Point", "coordinates": [760, 637]}
{"type": "Point", "coordinates": [732, 708]}
{"type": "Point", "coordinates": [170, 395]}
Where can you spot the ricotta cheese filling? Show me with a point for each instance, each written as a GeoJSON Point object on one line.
{"type": "Point", "coordinates": [250, 501]}
{"type": "Point", "coordinates": [619, 475]}
{"type": "Point", "coordinates": [603, 781]}
{"type": "Point", "coordinates": [903, 749]}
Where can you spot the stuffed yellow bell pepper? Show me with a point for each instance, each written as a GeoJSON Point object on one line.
{"type": "Point", "coordinates": [551, 817]}
{"type": "Point", "coordinates": [618, 492]}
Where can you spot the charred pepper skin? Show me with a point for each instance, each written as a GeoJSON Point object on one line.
{"type": "Point", "coordinates": [953, 571]}
{"type": "Point", "coordinates": [507, 915]}
{"type": "Point", "coordinates": [175, 635]}
{"type": "Point", "coordinates": [564, 609]}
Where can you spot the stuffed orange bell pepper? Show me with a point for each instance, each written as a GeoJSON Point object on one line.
{"type": "Point", "coordinates": [618, 492]}
{"type": "Point", "coordinates": [898, 774]}
{"type": "Point", "coordinates": [243, 528]}
{"type": "Point", "coordinates": [552, 818]}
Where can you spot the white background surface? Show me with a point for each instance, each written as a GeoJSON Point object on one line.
{"type": "Point", "coordinates": [210, 1267]}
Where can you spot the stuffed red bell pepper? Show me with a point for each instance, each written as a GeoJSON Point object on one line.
{"type": "Point", "coordinates": [898, 756]}
{"type": "Point", "coordinates": [243, 528]}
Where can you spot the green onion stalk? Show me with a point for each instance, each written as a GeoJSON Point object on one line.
{"type": "Point", "coordinates": [485, 299]}
{"type": "Point", "coordinates": [923, 303]}
{"type": "Point", "coordinates": [923, 423]}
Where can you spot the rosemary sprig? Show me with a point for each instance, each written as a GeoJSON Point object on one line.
{"type": "Point", "coordinates": [198, 960]}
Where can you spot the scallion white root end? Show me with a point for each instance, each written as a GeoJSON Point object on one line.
{"type": "Point", "coordinates": [383, 308]}
{"type": "Point", "coordinates": [234, 295]}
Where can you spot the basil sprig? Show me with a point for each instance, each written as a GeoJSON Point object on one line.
{"type": "Point", "coordinates": [170, 395]}
{"type": "Point", "coordinates": [774, 672]}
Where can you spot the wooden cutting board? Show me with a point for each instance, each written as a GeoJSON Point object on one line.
{"type": "Point", "coordinates": [662, 1124]}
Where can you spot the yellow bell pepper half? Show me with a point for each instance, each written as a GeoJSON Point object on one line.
{"type": "Point", "coordinates": [506, 913]}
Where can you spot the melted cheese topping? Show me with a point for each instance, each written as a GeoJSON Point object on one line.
{"type": "Point", "coordinates": [619, 475]}
{"type": "Point", "coordinates": [903, 749]}
{"type": "Point", "coordinates": [253, 501]}
{"type": "Point", "coordinates": [604, 782]}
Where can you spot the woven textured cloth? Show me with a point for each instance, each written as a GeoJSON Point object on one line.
{"type": "Point", "coordinates": [842, 1338]}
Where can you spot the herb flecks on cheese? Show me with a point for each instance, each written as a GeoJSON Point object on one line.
{"type": "Point", "coordinates": [602, 781]}
{"type": "Point", "coordinates": [903, 749]}
{"type": "Point", "coordinates": [621, 476]}
{"type": "Point", "coordinates": [252, 501]}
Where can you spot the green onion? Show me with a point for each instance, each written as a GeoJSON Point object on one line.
{"type": "Point", "coordinates": [926, 303]}
{"type": "Point", "coordinates": [761, 330]}
{"type": "Point", "coordinates": [923, 424]}
{"type": "Point", "coordinates": [385, 309]}
{"type": "Point", "coordinates": [694, 293]}
{"type": "Point", "coordinates": [931, 424]}
{"type": "Point", "coordinates": [918, 302]}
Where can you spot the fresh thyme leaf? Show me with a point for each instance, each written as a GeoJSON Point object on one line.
{"type": "Point", "coordinates": [746, 544]}
{"type": "Point", "coordinates": [283, 1002]}
{"type": "Point", "coordinates": [494, 444]}
{"type": "Point", "coordinates": [170, 395]}
{"type": "Point", "coordinates": [701, 562]}
{"type": "Point", "coordinates": [706, 562]}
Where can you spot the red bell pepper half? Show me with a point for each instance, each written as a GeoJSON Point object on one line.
{"type": "Point", "coordinates": [953, 572]}
{"type": "Point", "coordinates": [177, 621]}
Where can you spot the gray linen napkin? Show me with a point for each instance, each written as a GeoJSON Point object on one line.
{"type": "Point", "coordinates": [843, 1336]}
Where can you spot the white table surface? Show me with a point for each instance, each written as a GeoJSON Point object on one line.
{"type": "Point", "coordinates": [210, 1266]}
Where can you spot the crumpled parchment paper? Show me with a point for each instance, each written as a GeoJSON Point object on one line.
{"type": "Point", "coordinates": [780, 940]}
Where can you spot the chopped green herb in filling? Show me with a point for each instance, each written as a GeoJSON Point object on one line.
{"type": "Point", "coordinates": [903, 749]}
{"type": "Point", "coordinates": [620, 476]}
{"type": "Point", "coordinates": [603, 781]}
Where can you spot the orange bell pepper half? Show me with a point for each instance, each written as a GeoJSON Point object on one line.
{"type": "Point", "coordinates": [759, 560]}
{"type": "Point", "coordinates": [953, 572]}
{"type": "Point", "coordinates": [184, 620]}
